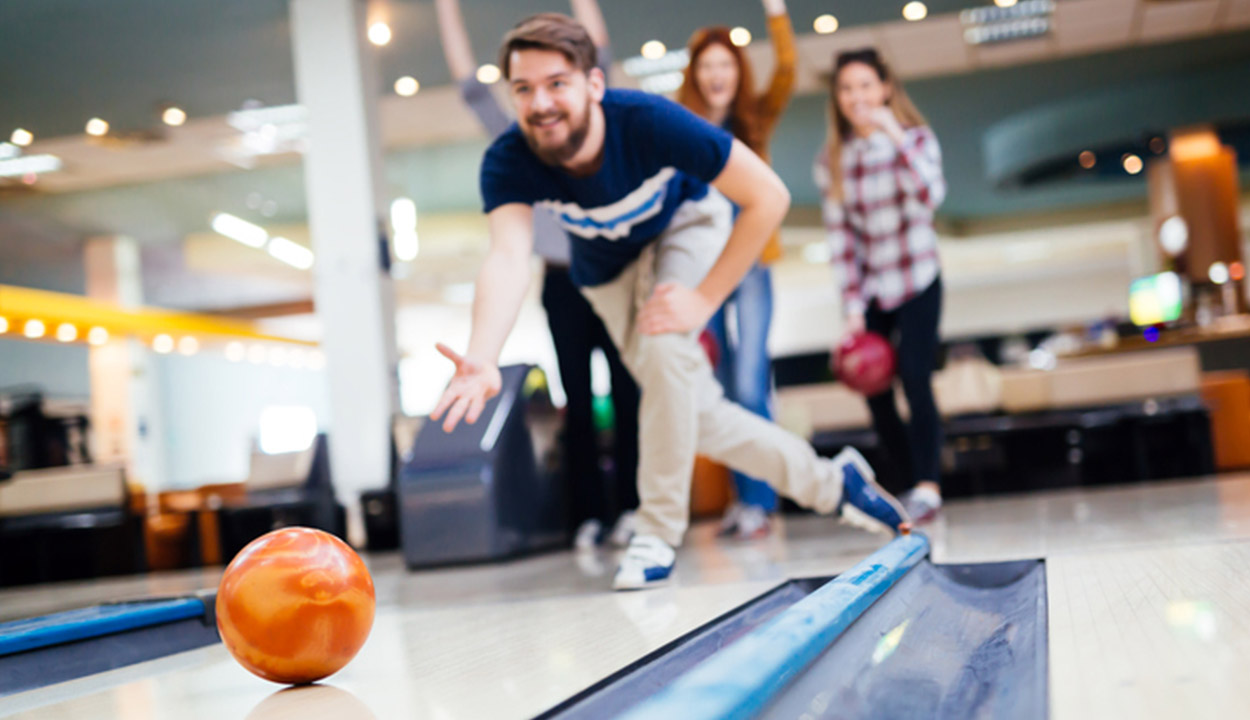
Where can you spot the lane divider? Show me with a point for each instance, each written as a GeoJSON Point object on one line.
{"type": "Point", "coordinates": [742, 679]}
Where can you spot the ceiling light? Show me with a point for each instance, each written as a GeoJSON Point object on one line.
{"type": "Point", "coordinates": [740, 36]}
{"type": "Point", "coordinates": [235, 351]}
{"type": "Point", "coordinates": [407, 86]}
{"type": "Point", "coordinates": [1087, 159]}
{"type": "Point", "coordinates": [97, 127]}
{"type": "Point", "coordinates": [34, 329]}
{"type": "Point", "coordinates": [29, 165]}
{"type": "Point", "coordinates": [407, 245]}
{"type": "Point", "coordinates": [97, 335]}
{"type": "Point", "coordinates": [653, 50]}
{"type": "Point", "coordinates": [66, 332]}
{"type": "Point", "coordinates": [379, 33]}
{"type": "Point", "coordinates": [1218, 273]}
{"type": "Point", "coordinates": [256, 354]}
{"type": "Point", "coordinates": [173, 116]}
{"type": "Point", "coordinates": [4, 324]}
{"type": "Point", "coordinates": [488, 74]}
{"type": "Point", "coordinates": [240, 230]}
{"type": "Point", "coordinates": [21, 137]}
{"type": "Point", "coordinates": [291, 253]}
{"type": "Point", "coordinates": [825, 24]}
{"type": "Point", "coordinates": [1174, 235]}
{"type": "Point", "coordinates": [1004, 3]}
{"type": "Point", "coordinates": [1132, 164]}
{"type": "Point", "coordinates": [403, 214]}
{"type": "Point", "coordinates": [914, 11]}
{"type": "Point", "coordinates": [188, 346]}
{"type": "Point", "coordinates": [163, 344]}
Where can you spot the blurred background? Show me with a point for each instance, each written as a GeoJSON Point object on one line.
{"type": "Point", "coordinates": [159, 299]}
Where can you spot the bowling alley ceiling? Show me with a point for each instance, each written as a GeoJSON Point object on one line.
{"type": "Point", "coordinates": [67, 61]}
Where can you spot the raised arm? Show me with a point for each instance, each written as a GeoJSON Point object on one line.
{"type": "Point", "coordinates": [500, 291]}
{"type": "Point", "coordinates": [785, 57]}
{"type": "Point", "coordinates": [762, 201]}
{"type": "Point", "coordinates": [587, 13]}
{"type": "Point", "coordinates": [456, 46]}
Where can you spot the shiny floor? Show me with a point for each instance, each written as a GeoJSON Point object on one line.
{"type": "Point", "coordinates": [1149, 616]}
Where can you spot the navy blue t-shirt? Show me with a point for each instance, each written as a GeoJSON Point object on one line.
{"type": "Point", "coordinates": [656, 156]}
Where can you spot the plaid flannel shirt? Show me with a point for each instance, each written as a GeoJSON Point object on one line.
{"type": "Point", "coordinates": [882, 237]}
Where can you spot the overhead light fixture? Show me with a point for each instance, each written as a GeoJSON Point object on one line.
{"type": "Point", "coordinates": [97, 336]}
{"type": "Point", "coordinates": [1004, 22]}
{"type": "Point", "coordinates": [235, 351]}
{"type": "Point", "coordinates": [740, 36]}
{"type": "Point", "coordinates": [1004, 3]}
{"type": "Point", "coordinates": [379, 33]}
{"type": "Point", "coordinates": [256, 354]}
{"type": "Point", "coordinates": [1087, 159]}
{"type": "Point", "coordinates": [407, 86]}
{"type": "Point", "coordinates": [658, 75]}
{"type": "Point", "coordinates": [29, 165]}
{"type": "Point", "coordinates": [188, 346]}
{"type": "Point", "coordinates": [914, 11]}
{"type": "Point", "coordinates": [163, 344]}
{"type": "Point", "coordinates": [291, 253]}
{"type": "Point", "coordinates": [34, 329]}
{"type": "Point", "coordinates": [1174, 235]}
{"type": "Point", "coordinates": [825, 24]}
{"type": "Point", "coordinates": [1132, 164]}
{"type": "Point", "coordinates": [653, 50]}
{"type": "Point", "coordinates": [97, 127]}
{"type": "Point", "coordinates": [240, 230]}
{"type": "Point", "coordinates": [488, 74]}
{"type": "Point", "coordinates": [173, 116]}
{"type": "Point", "coordinates": [4, 324]}
{"type": "Point", "coordinates": [1218, 273]}
{"type": "Point", "coordinates": [66, 332]}
{"type": "Point", "coordinates": [21, 137]}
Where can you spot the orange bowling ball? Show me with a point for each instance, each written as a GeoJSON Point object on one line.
{"type": "Point", "coordinates": [295, 605]}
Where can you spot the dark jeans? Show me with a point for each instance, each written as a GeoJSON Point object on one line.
{"type": "Point", "coordinates": [576, 331]}
{"type": "Point", "coordinates": [912, 329]}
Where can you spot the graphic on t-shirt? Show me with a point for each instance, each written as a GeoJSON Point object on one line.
{"type": "Point", "coordinates": [618, 219]}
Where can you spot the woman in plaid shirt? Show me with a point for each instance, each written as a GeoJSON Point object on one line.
{"type": "Point", "coordinates": [881, 175]}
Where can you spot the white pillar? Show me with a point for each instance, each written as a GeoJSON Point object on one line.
{"type": "Point", "coordinates": [336, 80]}
{"type": "Point", "coordinates": [125, 390]}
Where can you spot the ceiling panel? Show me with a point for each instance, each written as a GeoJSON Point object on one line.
{"type": "Point", "coordinates": [1088, 25]}
{"type": "Point", "coordinates": [933, 47]}
{"type": "Point", "coordinates": [1177, 18]}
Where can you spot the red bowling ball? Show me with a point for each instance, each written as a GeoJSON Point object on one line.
{"type": "Point", "coordinates": [866, 362]}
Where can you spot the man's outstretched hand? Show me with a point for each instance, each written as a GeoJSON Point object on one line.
{"type": "Point", "coordinates": [473, 384]}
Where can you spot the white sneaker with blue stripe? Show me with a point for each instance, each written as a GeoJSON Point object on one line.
{"type": "Point", "coordinates": [648, 562]}
{"type": "Point", "coordinates": [865, 503]}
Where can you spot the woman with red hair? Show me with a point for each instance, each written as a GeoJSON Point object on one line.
{"type": "Point", "coordinates": [720, 88]}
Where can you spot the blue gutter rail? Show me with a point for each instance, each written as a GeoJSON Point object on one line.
{"type": "Point", "coordinates": [742, 679]}
{"type": "Point", "coordinates": [59, 628]}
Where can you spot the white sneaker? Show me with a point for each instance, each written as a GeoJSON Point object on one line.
{"type": "Point", "coordinates": [729, 523]}
{"type": "Point", "coordinates": [624, 529]}
{"type": "Point", "coordinates": [648, 562]}
{"type": "Point", "coordinates": [588, 535]}
{"type": "Point", "coordinates": [753, 523]}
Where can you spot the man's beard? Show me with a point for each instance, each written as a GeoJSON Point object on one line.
{"type": "Point", "coordinates": [566, 150]}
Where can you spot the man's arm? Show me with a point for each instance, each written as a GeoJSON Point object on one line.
{"type": "Point", "coordinates": [501, 286]}
{"type": "Point", "coordinates": [587, 13]}
{"type": "Point", "coordinates": [503, 280]}
{"type": "Point", "coordinates": [456, 46]}
{"type": "Point", "coordinates": [762, 201]}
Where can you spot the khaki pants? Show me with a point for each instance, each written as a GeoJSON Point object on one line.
{"type": "Point", "coordinates": [683, 410]}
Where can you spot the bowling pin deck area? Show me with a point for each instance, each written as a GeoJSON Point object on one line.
{"type": "Point", "coordinates": [1120, 602]}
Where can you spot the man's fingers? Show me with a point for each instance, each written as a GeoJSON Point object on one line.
{"type": "Point", "coordinates": [443, 403]}
{"type": "Point", "coordinates": [456, 412]}
{"type": "Point", "coordinates": [475, 410]}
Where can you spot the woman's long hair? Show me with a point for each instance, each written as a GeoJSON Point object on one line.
{"type": "Point", "coordinates": [840, 128]}
{"type": "Point", "coordinates": [744, 120]}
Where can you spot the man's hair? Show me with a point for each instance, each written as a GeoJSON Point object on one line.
{"type": "Point", "coordinates": [549, 31]}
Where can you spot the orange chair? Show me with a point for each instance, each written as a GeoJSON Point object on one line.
{"type": "Point", "coordinates": [1227, 395]}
